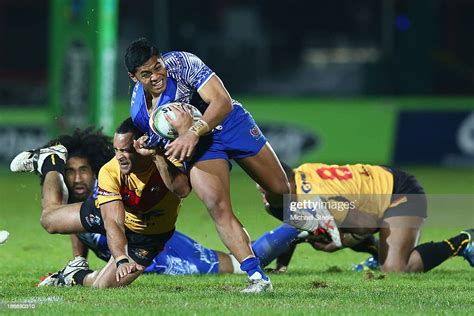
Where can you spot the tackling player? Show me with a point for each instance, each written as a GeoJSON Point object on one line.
{"type": "Point", "coordinates": [226, 131]}
{"type": "Point", "coordinates": [377, 199]}
{"type": "Point", "coordinates": [88, 150]}
{"type": "Point", "coordinates": [136, 206]}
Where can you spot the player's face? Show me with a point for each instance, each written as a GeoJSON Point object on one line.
{"type": "Point", "coordinates": [79, 178]}
{"type": "Point", "coordinates": [152, 75]}
{"type": "Point", "coordinates": [129, 160]}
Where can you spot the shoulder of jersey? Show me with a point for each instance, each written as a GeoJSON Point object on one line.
{"type": "Point", "coordinates": [137, 94]}
{"type": "Point", "coordinates": [112, 167]}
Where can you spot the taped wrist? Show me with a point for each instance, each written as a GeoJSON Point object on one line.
{"type": "Point", "coordinates": [199, 128]}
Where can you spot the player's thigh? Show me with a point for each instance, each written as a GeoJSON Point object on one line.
{"type": "Point", "coordinates": [64, 220]}
{"type": "Point", "coordinates": [399, 235]}
{"type": "Point", "coordinates": [265, 169]}
{"type": "Point", "coordinates": [107, 277]}
{"type": "Point", "coordinates": [210, 181]}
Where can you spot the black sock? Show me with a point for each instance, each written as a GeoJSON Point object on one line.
{"type": "Point", "coordinates": [53, 163]}
{"type": "Point", "coordinates": [276, 212]}
{"type": "Point", "coordinates": [80, 275]}
{"type": "Point", "coordinates": [458, 243]}
{"type": "Point", "coordinates": [369, 245]}
{"type": "Point", "coordinates": [434, 253]}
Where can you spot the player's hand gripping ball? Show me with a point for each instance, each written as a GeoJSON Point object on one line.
{"type": "Point", "coordinates": [162, 127]}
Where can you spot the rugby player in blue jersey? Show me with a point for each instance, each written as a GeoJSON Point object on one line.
{"type": "Point", "coordinates": [226, 131]}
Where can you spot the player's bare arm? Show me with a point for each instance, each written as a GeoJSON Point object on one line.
{"type": "Point", "coordinates": [220, 105]}
{"type": "Point", "coordinates": [114, 217]}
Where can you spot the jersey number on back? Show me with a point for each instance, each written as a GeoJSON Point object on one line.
{"type": "Point", "coordinates": [340, 173]}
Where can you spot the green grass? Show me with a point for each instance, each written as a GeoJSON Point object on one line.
{"type": "Point", "coordinates": [308, 288]}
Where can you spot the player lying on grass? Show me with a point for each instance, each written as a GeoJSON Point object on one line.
{"type": "Point", "coordinates": [364, 199]}
{"type": "Point", "coordinates": [88, 150]}
{"type": "Point", "coordinates": [136, 207]}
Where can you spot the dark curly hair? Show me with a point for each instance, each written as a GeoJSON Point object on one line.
{"type": "Point", "coordinates": [89, 143]}
{"type": "Point", "coordinates": [138, 52]}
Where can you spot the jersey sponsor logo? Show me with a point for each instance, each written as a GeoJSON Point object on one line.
{"type": "Point", "coordinates": [93, 220]}
{"type": "Point", "coordinates": [255, 132]}
{"type": "Point", "coordinates": [306, 187]}
{"type": "Point", "coordinates": [103, 192]}
{"type": "Point", "coordinates": [216, 129]}
{"type": "Point", "coordinates": [141, 253]}
{"type": "Point", "coordinates": [156, 188]}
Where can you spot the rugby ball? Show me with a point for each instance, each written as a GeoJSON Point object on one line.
{"type": "Point", "coordinates": [159, 125]}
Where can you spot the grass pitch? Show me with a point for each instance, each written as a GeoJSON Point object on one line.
{"type": "Point", "coordinates": [317, 283]}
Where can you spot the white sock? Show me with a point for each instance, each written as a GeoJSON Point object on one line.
{"type": "Point", "coordinates": [236, 265]}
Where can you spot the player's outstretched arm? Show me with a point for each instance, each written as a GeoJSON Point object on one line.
{"type": "Point", "coordinates": [113, 214]}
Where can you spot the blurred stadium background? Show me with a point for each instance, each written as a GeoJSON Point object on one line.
{"type": "Point", "coordinates": [387, 81]}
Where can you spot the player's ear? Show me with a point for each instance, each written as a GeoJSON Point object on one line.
{"type": "Point", "coordinates": [132, 76]}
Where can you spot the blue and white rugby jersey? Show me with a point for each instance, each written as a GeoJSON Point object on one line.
{"type": "Point", "coordinates": [187, 74]}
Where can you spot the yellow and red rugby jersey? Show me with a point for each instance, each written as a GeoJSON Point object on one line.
{"type": "Point", "coordinates": [367, 187]}
{"type": "Point", "coordinates": [150, 208]}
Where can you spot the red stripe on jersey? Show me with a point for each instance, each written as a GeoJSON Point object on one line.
{"type": "Point", "coordinates": [153, 192]}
